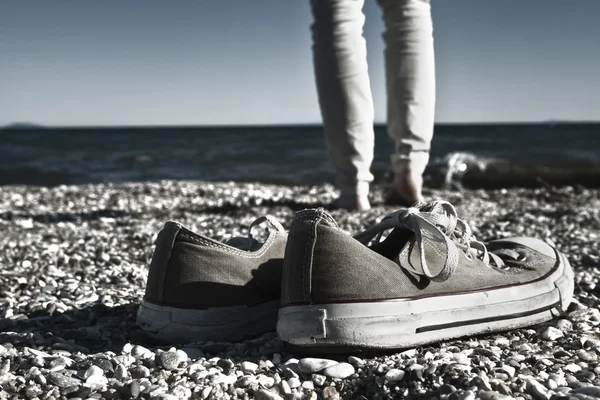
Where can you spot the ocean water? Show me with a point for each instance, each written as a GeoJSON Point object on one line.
{"type": "Point", "coordinates": [488, 156]}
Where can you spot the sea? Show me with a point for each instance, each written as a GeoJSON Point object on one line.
{"type": "Point", "coordinates": [467, 155]}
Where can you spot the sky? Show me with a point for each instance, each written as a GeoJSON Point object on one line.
{"type": "Point", "coordinates": [213, 62]}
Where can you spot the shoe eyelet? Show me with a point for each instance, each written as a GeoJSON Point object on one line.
{"type": "Point", "coordinates": [469, 256]}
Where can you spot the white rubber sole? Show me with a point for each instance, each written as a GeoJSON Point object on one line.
{"type": "Point", "coordinates": [411, 322]}
{"type": "Point", "coordinates": [222, 324]}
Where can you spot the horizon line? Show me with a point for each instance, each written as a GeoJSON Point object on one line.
{"type": "Point", "coordinates": [24, 126]}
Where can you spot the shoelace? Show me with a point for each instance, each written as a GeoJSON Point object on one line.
{"type": "Point", "coordinates": [270, 220]}
{"type": "Point", "coordinates": [438, 222]}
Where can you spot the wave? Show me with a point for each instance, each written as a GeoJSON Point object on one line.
{"type": "Point", "coordinates": [477, 172]}
{"type": "Point", "coordinates": [455, 170]}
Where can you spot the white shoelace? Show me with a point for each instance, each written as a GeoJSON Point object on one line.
{"type": "Point", "coordinates": [270, 220]}
{"type": "Point", "coordinates": [439, 224]}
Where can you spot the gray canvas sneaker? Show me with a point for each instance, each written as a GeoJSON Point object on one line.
{"type": "Point", "coordinates": [200, 289]}
{"type": "Point", "coordinates": [428, 280]}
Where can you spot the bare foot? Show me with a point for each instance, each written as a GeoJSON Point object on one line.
{"type": "Point", "coordinates": [353, 202]}
{"type": "Point", "coordinates": [405, 190]}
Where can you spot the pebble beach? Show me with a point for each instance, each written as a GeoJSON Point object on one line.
{"type": "Point", "coordinates": [73, 267]}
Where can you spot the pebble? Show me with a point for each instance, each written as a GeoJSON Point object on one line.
{"type": "Point", "coordinates": [330, 393]}
{"type": "Point", "coordinates": [339, 371]}
{"type": "Point", "coordinates": [140, 371]}
{"type": "Point", "coordinates": [552, 334]}
{"type": "Point", "coordinates": [313, 365]}
{"type": "Point", "coordinates": [308, 385]}
{"type": "Point", "coordinates": [61, 380]}
{"type": "Point", "coordinates": [319, 380]}
{"type": "Point", "coordinates": [248, 366]}
{"type": "Point", "coordinates": [536, 389]}
{"type": "Point", "coordinates": [169, 360]}
{"type": "Point", "coordinates": [394, 375]}
{"type": "Point", "coordinates": [285, 387]}
{"type": "Point", "coordinates": [264, 394]}
{"type": "Point", "coordinates": [266, 381]}
{"type": "Point", "coordinates": [70, 316]}
{"type": "Point", "coordinates": [226, 364]}
{"type": "Point", "coordinates": [356, 361]}
{"type": "Point", "coordinates": [93, 370]}
{"type": "Point", "coordinates": [294, 383]}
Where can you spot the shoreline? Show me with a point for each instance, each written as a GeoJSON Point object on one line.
{"type": "Point", "coordinates": [73, 265]}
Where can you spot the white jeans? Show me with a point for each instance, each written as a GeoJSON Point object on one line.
{"type": "Point", "coordinates": [343, 86]}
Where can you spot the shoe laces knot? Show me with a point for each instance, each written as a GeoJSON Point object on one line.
{"type": "Point", "coordinates": [436, 225]}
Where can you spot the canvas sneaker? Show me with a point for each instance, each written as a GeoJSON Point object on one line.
{"type": "Point", "coordinates": [428, 280]}
{"type": "Point", "coordinates": [200, 289]}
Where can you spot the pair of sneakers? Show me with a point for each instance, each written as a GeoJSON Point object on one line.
{"type": "Point", "coordinates": [416, 277]}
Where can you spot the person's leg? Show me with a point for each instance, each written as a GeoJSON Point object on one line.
{"type": "Point", "coordinates": [410, 80]}
{"type": "Point", "coordinates": [343, 87]}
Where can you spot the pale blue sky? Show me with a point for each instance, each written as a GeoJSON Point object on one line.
{"type": "Point", "coordinates": [148, 62]}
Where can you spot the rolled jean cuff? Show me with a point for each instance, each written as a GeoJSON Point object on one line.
{"type": "Point", "coordinates": [415, 162]}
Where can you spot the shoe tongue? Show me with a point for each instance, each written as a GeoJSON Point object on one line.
{"type": "Point", "coordinates": [243, 243]}
{"type": "Point", "coordinates": [435, 251]}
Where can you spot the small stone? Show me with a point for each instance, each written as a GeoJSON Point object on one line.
{"type": "Point", "coordinates": [462, 359]}
{"type": "Point", "coordinates": [491, 395]}
{"type": "Point", "coordinates": [447, 389]}
{"type": "Point", "coordinates": [183, 357]}
{"type": "Point", "coordinates": [285, 387]}
{"type": "Point", "coordinates": [294, 382]}
{"type": "Point", "coordinates": [33, 391]}
{"type": "Point", "coordinates": [588, 391]}
{"type": "Point", "coordinates": [140, 352]}
{"type": "Point", "coordinates": [96, 382]}
{"type": "Point", "coordinates": [586, 376]}
{"type": "Point", "coordinates": [105, 364]}
{"type": "Point", "coordinates": [357, 362]}
{"type": "Point", "coordinates": [248, 366]}
{"type": "Point", "coordinates": [319, 380]}
{"type": "Point", "coordinates": [308, 385]}
{"type": "Point", "coordinates": [206, 392]}
{"type": "Point", "coordinates": [480, 383]}
{"type": "Point", "coordinates": [573, 368]}
{"type": "Point", "coordinates": [467, 395]}
{"type": "Point", "coordinates": [139, 372]}
{"type": "Point", "coordinates": [313, 365]}
{"type": "Point", "coordinates": [394, 375]}
{"type": "Point", "coordinates": [289, 373]}
{"type": "Point", "coordinates": [339, 371]}
{"type": "Point", "coordinates": [264, 394]}
{"type": "Point", "coordinates": [564, 325]}
{"type": "Point", "coordinates": [93, 371]}
{"type": "Point", "coordinates": [169, 360]}
{"type": "Point", "coordinates": [536, 389]}
{"type": "Point", "coordinates": [246, 381]}
{"type": "Point", "coordinates": [552, 334]}
{"type": "Point", "coordinates": [120, 372]}
{"type": "Point", "coordinates": [181, 392]}
{"type": "Point", "coordinates": [62, 381]}
{"type": "Point", "coordinates": [225, 363]}
{"type": "Point", "coordinates": [330, 393]}
{"type": "Point", "coordinates": [586, 356]}
{"type": "Point", "coordinates": [551, 384]}
{"type": "Point", "coordinates": [509, 370]}
{"type": "Point", "coordinates": [266, 381]}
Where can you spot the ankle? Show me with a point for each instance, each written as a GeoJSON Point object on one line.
{"type": "Point", "coordinates": [408, 185]}
{"type": "Point", "coordinates": [353, 201]}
